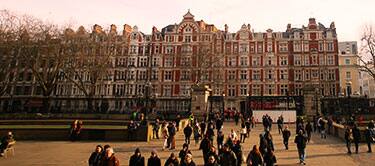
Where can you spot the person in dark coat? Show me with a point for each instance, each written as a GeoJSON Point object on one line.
{"type": "Point", "coordinates": [286, 136]}
{"type": "Point", "coordinates": [308, 129]}
{"type": "Point", "coordinates": [187, 132]}
{"type": "Point", "coordinates": [155, 129]}
{"type": "Point", "coordinates": [219, 124]}
{"type": "Point", "coordinates": [172, 161]}
{"type": "Point", "coordinates": [356, 137]}
{"type": "Point", "coordinates": [132, 127]}
{"type": "Point", "coordinates": [269, 158]}
{"type": "Point", "coordinates": [237, 149]}
{"type": "Point", "coordinates": [348, 139]}
{"type": "Point", "coordinates": [220, 139]}
{"type": "Point", "coordinates": [188, 161]}
{"type": "Point", "coordinates": [280, 124]}
{"type": "Point", "coordinates": [154, 159]}
{"type": "Point", "coordinates": [213, 153]}
{"type": "Point", "coordinates": [210, 133]}
{"type": "Point", "coordinates": [212, 161]}
{"type": "Point", "coordinates": [254, 158]}
{"type": "Point", "coordinates": [110, 159]}
{"type": "Point", "coordinates": [184, 151]}
{"type": "Point", "coordinates": [262, 144]}
{"type": "Point", "coordinates": [137, 159]}
{"type": "Point", "coordinates": [371, 125]}
{"type": "Point", "coordinates": [205, 147]}
{"type": "Point", "coordinates": [96, 156]}
{"type": "Point", "coordinates": [369, 135]}
{"type": "Point", "coordinates": [248, 127]}
{"type": "Point", "coordinates": [301, 141]}
{"type": "Point", "coordinates": [269, 139]}
{"type": "Point", "coordinates": [227, 157]}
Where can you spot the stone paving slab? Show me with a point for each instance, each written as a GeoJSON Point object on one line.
{"type": "Point", "coordinates": [330, 151]}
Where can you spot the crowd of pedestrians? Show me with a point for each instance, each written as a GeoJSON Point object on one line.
{"type": "Point", "coordinates": [228, 150]}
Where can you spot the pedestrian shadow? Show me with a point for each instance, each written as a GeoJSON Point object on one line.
{"type": "Point", "coordinates": [288, 164]}
{"type": "Point", "coordinates": [284, 151]}
{"type": "Point", "coordinates": [317, 155]}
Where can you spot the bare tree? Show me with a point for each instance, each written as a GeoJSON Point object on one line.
{"type": "Point", "coordinates": [40, 52]}
{"type": "Point", "coordinates": [30, 45]}
{"type": "Point", "coordinates": [88, 63]}
{"type": "Point", "coordinates": [8, 36]}
{"type": "Point", "coordinates": [367, 55]}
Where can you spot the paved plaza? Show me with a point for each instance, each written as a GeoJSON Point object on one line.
{"type": "Point", "coordinates": [330, 151]}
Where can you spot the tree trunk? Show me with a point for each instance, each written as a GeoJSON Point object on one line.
{"type": "Point", "coordinates": [45, 107]}
{"type": "Point", "coordinates": [89, 104]}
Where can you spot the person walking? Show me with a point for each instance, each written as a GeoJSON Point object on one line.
{"type": "Point", "coordinates": [205, 146]}
{"type": "Point", "coordinates": [262, 144]}
{"type": "Point", "coordinates": [96, 156]}
{"type": "Point", "coordinates": [269, 158]}
{"type": "Point", "coordinates": [243, 133]}
{"type": "Point", "coordinates": [348, 139]}
{"type": "Point", "coordinates": [227, 157]}
{"type": "Point", "coordinates": [154, 159]}
{"type": "Point", "coordinates": [187, 132]}
{"type": "Point", "coordinates": [197, 134]}
{"type": "Point", "coordinates": [269, 139]}
{"type": "Point", "coordinates": [254, 158]}
{"type": "Point", "coordinates": [371, 125]}
{"type": "Point", "coordinates": [280, 124]}
{"type": "Point", "coordinates": [188, 161]}
{"type": "Point", "coordinates": [184, 151]}
{"type": "Point", "coordinates": [237, 149]}
{"type": "Point", "coordinates": [308, 129]}
{"type": "Point", "coordinates": [248, 127]}
{"type": "Point", "coordinates": [356, 137]}
{"type": "Point", "coordinates": [202, 125]}
{"type": "Point", "coordinates": [286, 136]}
{"type": "Point", "coordinates": [220, 139]}
{"type": "Point", "coordinates": [369, 135]}
{"type": "Point", "coordinates": [165, 135]}
{"type": "Point", "coordinates": [137, 159]}
{"type": "Point", "coordinates": [155, 129]}
{"type": "Point", "coordinates": [301, 141]}
{"type": "Point", "coordinates": [213, 153]}
{"type": "Point", "coordinates": [212, 161]}
{"type": "Point", "coordinates": [110, 159]}
{"type": "Point", "coordinates": [322, 129]}
{"type": "Point", "coordinates": [172, 132]}
{"type": "Point", "coordinates": [172, 161]}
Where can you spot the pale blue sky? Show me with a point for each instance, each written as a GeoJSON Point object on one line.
{"type": "Point", "coordinates": [349, 15]}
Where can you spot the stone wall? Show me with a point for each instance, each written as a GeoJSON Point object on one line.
{"type": "Point", "coordinates": [144, 133]}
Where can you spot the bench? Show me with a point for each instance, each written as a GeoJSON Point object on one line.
{"type": "Point", "coordinates": [9, 149]}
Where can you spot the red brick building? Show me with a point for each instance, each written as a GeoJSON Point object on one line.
{"type": "Point", "coordinates": [234, 64]}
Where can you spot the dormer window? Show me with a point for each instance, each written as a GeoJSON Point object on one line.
{"type": "Point", "coordinates": [134, 36]}
{"type": "Point", "coordinates": [187, 29]}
